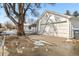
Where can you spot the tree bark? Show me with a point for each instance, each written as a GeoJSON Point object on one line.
{"type": "Point", "coordinates": [20, 26]}
{"type": "Point", "coordinates": [20, 29]}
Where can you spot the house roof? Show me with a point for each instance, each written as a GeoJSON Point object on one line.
{"type": "Point", "coordinates": [55, 13]}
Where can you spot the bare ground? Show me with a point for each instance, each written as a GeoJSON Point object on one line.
{"type": "Point", "coordinates": [23, 46]}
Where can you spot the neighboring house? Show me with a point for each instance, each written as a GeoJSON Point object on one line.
{"type": "Point", "coordinates": [59, 25]}
{"type": "Point", "coordinates": [33, 28]}
{"type": "Point", "coordinates": [29, 28]}
{"type": "Point", "coordinates": [26, 27]}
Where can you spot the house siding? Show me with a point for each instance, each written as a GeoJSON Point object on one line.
{"type": "Point", "coordinates": [55, 27]}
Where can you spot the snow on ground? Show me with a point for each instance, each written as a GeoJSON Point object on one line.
{"type": "Point", "coordinates": [9, 32]}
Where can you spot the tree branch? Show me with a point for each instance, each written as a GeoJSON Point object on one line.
{"type": "Point", "coordinates": [26, 8]}
{"type": "Point", "coordinates": [13, 9]}
{"type": "Point", "coordinates": [8, 14]}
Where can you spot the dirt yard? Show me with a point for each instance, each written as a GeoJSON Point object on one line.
{"type": "Point", "coordinates": [54, 40]}
{"type": "Point", "coordinates": [60, 46]}
{"type": "Point", "coordinates": [23, 46]}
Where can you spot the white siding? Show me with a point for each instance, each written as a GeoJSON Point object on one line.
{"type": "Point", "coordinates": [56, 26]}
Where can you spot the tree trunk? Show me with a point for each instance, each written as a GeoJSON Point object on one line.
{"type": "Point", "coordinates": [20, 27]}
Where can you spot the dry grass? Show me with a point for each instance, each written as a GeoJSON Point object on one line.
{"type": "Point", "coordinates": [58, 45]}
{"type": "Point", "coordinates": [56, 40]}
{"type": "Point", "coordinates": [14, 42]}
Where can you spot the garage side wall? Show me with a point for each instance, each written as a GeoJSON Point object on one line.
{"type": "Point", "coordinates": [56, 26]}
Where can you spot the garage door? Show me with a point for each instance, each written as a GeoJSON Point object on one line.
{"type": "Point", "coordinates": [76, 34]}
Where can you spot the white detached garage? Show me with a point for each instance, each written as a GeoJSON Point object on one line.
{"type": "Point", "coordinates": [59, 25]}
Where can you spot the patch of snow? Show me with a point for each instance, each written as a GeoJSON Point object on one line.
{"type": "Point", "coordinates": [39, 43]}
{"type": "Point", "coordinates": [9, 32]}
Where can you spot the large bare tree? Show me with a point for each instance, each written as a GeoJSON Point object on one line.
{"type": "Point", "coordinates": [19, 11]}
